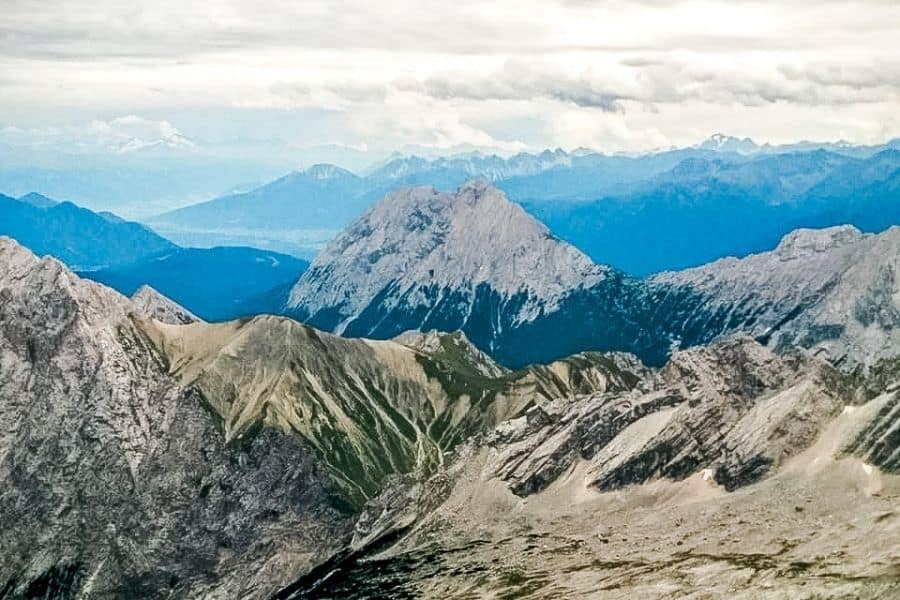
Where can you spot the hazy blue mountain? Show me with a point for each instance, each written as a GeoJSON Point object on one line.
{"type": "Point", "coordinates": [300, 212]}
{"type": "Point", "coordinates": [319, 197]}
{"type": "Point", "coordinates": [862, 193]}
{"type": "Point", "coordinates": [215, 284]}
{"type": "Point", "coordinates": [728, 143]}
{"type": "Point", "coordinates": [77, 236]}
{"type": "Point", "coordinates": [591, 176]}
{"type": "Point", "coordinates": [295, 214]}
{"type": "Point", "coordinates": [702, 210]}
{"type": "Point", "coordinates": [453, 171]}
{"type": "Point", "coordinates": [134, 190]}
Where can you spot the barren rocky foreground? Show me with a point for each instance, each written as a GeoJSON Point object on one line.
{"type": "Point", "coordinates": [145, 454]}
{"type": "Point", "coordinates": [821, 528]}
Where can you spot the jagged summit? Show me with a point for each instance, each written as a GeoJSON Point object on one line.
{"type": "Point", "coordinates": [492, 166]}
{"type": "Point", "coordinates": [13, 252]}
{"type": "Point", "coordinates": [49, 279]}
{"type": "Point", "coordinates": [728, 143]}
{"type": "Point", "coordinates": [418, 247]}
{"type": "Point", "coordinates": [151, 303]}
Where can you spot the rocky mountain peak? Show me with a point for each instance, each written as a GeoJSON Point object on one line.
{"type": "Point", "coordinates": [49, 279]}
{"type": "Point", "coordinates": [478, 190]}
{"type": "Point", "coordinates": [802, 242]}
{"type": "Point", "coordinates": [37, 200]}
{"type": "Point", "coordinates": [728, 143]}
{"type": "Point", "coordinates": [418, 242]}
{"type": "Point", "coordinates": [151, 303]}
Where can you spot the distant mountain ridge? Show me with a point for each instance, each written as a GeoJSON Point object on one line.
{"type": "Point", "coordinates": [707, 209]}
{"type": "Point", "coordinates": [216, 284]}
{"type": "Point", "coordinates": [77, 236]}
{"type": "Point", "coordinates": [603, 204]}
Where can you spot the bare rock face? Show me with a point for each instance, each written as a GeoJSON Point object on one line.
{"type": "Point", "coordinates": [878, 441]}
{"type": "Point", "coordinates": [734, 408]}
{"type": "Point", "coordinates": [263, 458]}
{"type": "Point", "coordinates": [154, 305]}
{"type": "Point", "coordinates": [115, 480]}
{"type": "Point", "coordinates": [728, 467]}
{"type": "Point", "coordinates": [421, 259]}
{"type": "Point", "coordinates": [474, 262]}
{"type": "Point", "coordinates": [834, 291]}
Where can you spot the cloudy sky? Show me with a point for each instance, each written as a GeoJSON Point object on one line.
{"type": "Point", "coordinates": [379, 76]}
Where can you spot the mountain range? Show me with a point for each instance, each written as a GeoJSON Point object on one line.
{"type": "Point", "coordinates": [707, 209]}
{"type": "Point", "coordinates": [453, 399]}
{"type": "Point", "coordinates": [474, 261]}
{"type": "Point", "coordinates": [262, 458]}
{"type": "Point", "coordinates": [640, 214]}
{"type": "Point", "coordinates": [81, 238]}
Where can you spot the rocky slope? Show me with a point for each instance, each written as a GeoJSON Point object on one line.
{"type": "Point", "coordinates": [151, 303]}
{"type": "Point", "coordinates": [421, 259]}
{"type": "Point", "coordinates": [158, 460]}
{"type": "Point", "coordinates": [835, 291]}
{"type": "Point", "coordinates": [729, 471]}
{"type": "Point", "coordinates": [116, 480]}
{"type": "Point", "coordinates": [262, 458]}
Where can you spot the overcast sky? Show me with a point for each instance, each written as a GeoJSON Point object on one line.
{"type": "Point", "coordinates": [379, 76]}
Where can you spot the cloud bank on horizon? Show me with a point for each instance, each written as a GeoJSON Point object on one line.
{"type": "Point", "coordinates": [370, 78]}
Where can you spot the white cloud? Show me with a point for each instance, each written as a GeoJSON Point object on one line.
{"type": "Point", "coordinates": [504, 74]}
{"type": "Point", "coordinates": [119, 135]}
